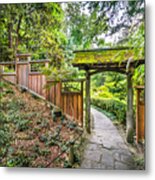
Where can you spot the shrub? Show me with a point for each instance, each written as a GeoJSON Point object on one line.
{"type": "Point", "coordinates": [113, 106]}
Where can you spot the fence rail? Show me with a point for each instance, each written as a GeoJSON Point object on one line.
{"type": "Point", "coordinates": [71, 103]}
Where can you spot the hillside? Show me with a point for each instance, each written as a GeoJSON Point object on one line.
{"type": "Point", "coordinates": [29, 137]}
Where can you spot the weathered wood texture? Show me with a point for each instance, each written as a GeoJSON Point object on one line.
{"type": "Point", "coordinates": [87, 120]}
{"type": "Point", "coordinates": [11, 77]}
{"type": "Point", "coordinates": [22, 74]}
{"type": "Point", "coordinates": [140, 116]}
{"type": "Point", "coordinates": [129, 114]}
{"type": "Point", "coordinates": [37, 83]}
{"type": "Point", "coordinates": [70, 102]}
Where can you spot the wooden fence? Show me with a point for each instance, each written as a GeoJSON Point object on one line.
{"type": "Point", "coordinates": [140, 115]}
{"type": "Point", "coordinates": [70, 102]}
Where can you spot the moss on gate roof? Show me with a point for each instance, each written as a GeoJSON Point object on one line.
{"type": "Point", "coordinates": [106, 55]}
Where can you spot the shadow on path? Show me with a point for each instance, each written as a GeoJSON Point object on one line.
{"type": "Point", "coordinates": [105, 147]}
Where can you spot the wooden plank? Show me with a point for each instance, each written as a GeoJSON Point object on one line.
{"type": "Point", "coordinates": [69, 105]}
{"type": "Point", "coordinates": [59, 94]}
{"type": "Point", "coordinates": [65, 109]}
{"type": "Point", "coordinates": [41, 85]}
{"type": "Point", "coordinates": [38, 79]}
{"type": "Point", "coordinates": [79, 110]}
{"type": "Point", "coordinates": [40, 61]}
{"type": "Point", "coordinates": [54, 94]}
{"type": "Point", "coordinates": [75, 106]}
{"type": "Point", "coordinates": [44, 83]}
{"type": "Point", "coordinates": [141, 125]}
{"type": "Point", "coordinates": [20, 75]}
{"type": "Point", "coordinates": [23, 73]}
{"type": "Point", "coordinates": [9, 74]}
{"type": "Point", "coordinates": [52, 91]}
{"type": "Point", "coordinates": [29, 85]}
{"type": "Point", "coordinates": [35, 83]}
{"type": "Point", "coordinates": [27, 75]}
{"type": "Point", "coordinates": [62, 102]}
{"type": "Point", "coordinates": [72, 105]}
{"type": "Point", "coordinates": [32, 85]}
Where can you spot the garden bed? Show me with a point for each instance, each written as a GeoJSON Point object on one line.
{"type": "Point", "coordinates": [28, 135]}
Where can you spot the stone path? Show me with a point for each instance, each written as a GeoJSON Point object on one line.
{"type": "Point", "coordinates": [105, 147]}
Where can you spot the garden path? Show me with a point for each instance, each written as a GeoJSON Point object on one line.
{"type": "Point", "coordinates": [105, 147]}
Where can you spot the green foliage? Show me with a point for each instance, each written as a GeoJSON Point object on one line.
{"type": "Point", "coordinates": [4, 137]}
{"type": "Point", "coordinates": [6, 54]}
{"type": "Point", "coordinates": [22, 124]}
{"type": "Point", "coordinates": [83, 31]}
{"type": "Point", "coordinates": [32, 27]}
{"type": "Point", "coordinates": [110, 115]}
{"type": "Point", "coordinates": [139, 75]}
{"type": "Point", "coordinates": [139, 162]}
{"type": "Point", "coordinates": [22, 160]}
{"type": "Point", "coordinates": [109, 85]}
{"type": "Point", "coordinates": [113, 106]}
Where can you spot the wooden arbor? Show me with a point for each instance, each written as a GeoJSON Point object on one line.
{"type": "Point", "coordinates": [121, 60]}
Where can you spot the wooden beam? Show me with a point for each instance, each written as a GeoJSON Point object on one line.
{"type": "Point", "coordinates": [7, 63]}
{"type": "Point", "coordinates": [87, 120]}
{"type": "Point", "coordinates": [129, 115]}
{"type": "Point", "coordinates": [39, 61]}
{"type": "Point", "coordinates": [110, 69]}
{"type": "Point", "coordinates": [66, 80]}
{"type": "Point", "coordinates": [107, 65]}
{"type": "Point", "coordinates": [103, 49]}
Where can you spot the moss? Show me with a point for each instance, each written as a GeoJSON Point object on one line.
{"type": "Point", "coordinates": [105, 56]}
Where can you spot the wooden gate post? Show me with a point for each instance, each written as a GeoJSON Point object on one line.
{"type": "Point", "coordinates": [87, 120]}
{"type": "Point", "coordinates": [129, 118]}
{"type": "Point", "coordinates": [140, 119]}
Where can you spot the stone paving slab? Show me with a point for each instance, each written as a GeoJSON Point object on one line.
{"type": "Point", "coordinates": [105, 148]}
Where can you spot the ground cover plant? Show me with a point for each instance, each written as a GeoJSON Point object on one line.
{"type": "Point", "coordinates": [28, 135]}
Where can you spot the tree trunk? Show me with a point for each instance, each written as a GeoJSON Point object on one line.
{"type": "Point", "coordinates": [87, 120]}
{"type": "Point", "coordinates": [129, 118]}
{"type": "Point", "coordinates": [17, 32]}
{"type": "Point", "coordinates": [10, 28]}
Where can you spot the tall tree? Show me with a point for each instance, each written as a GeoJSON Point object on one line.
{"type": "Point", "coordinates": [34, 27]}
{"type": "Point", "coordinates": [89, 23]}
